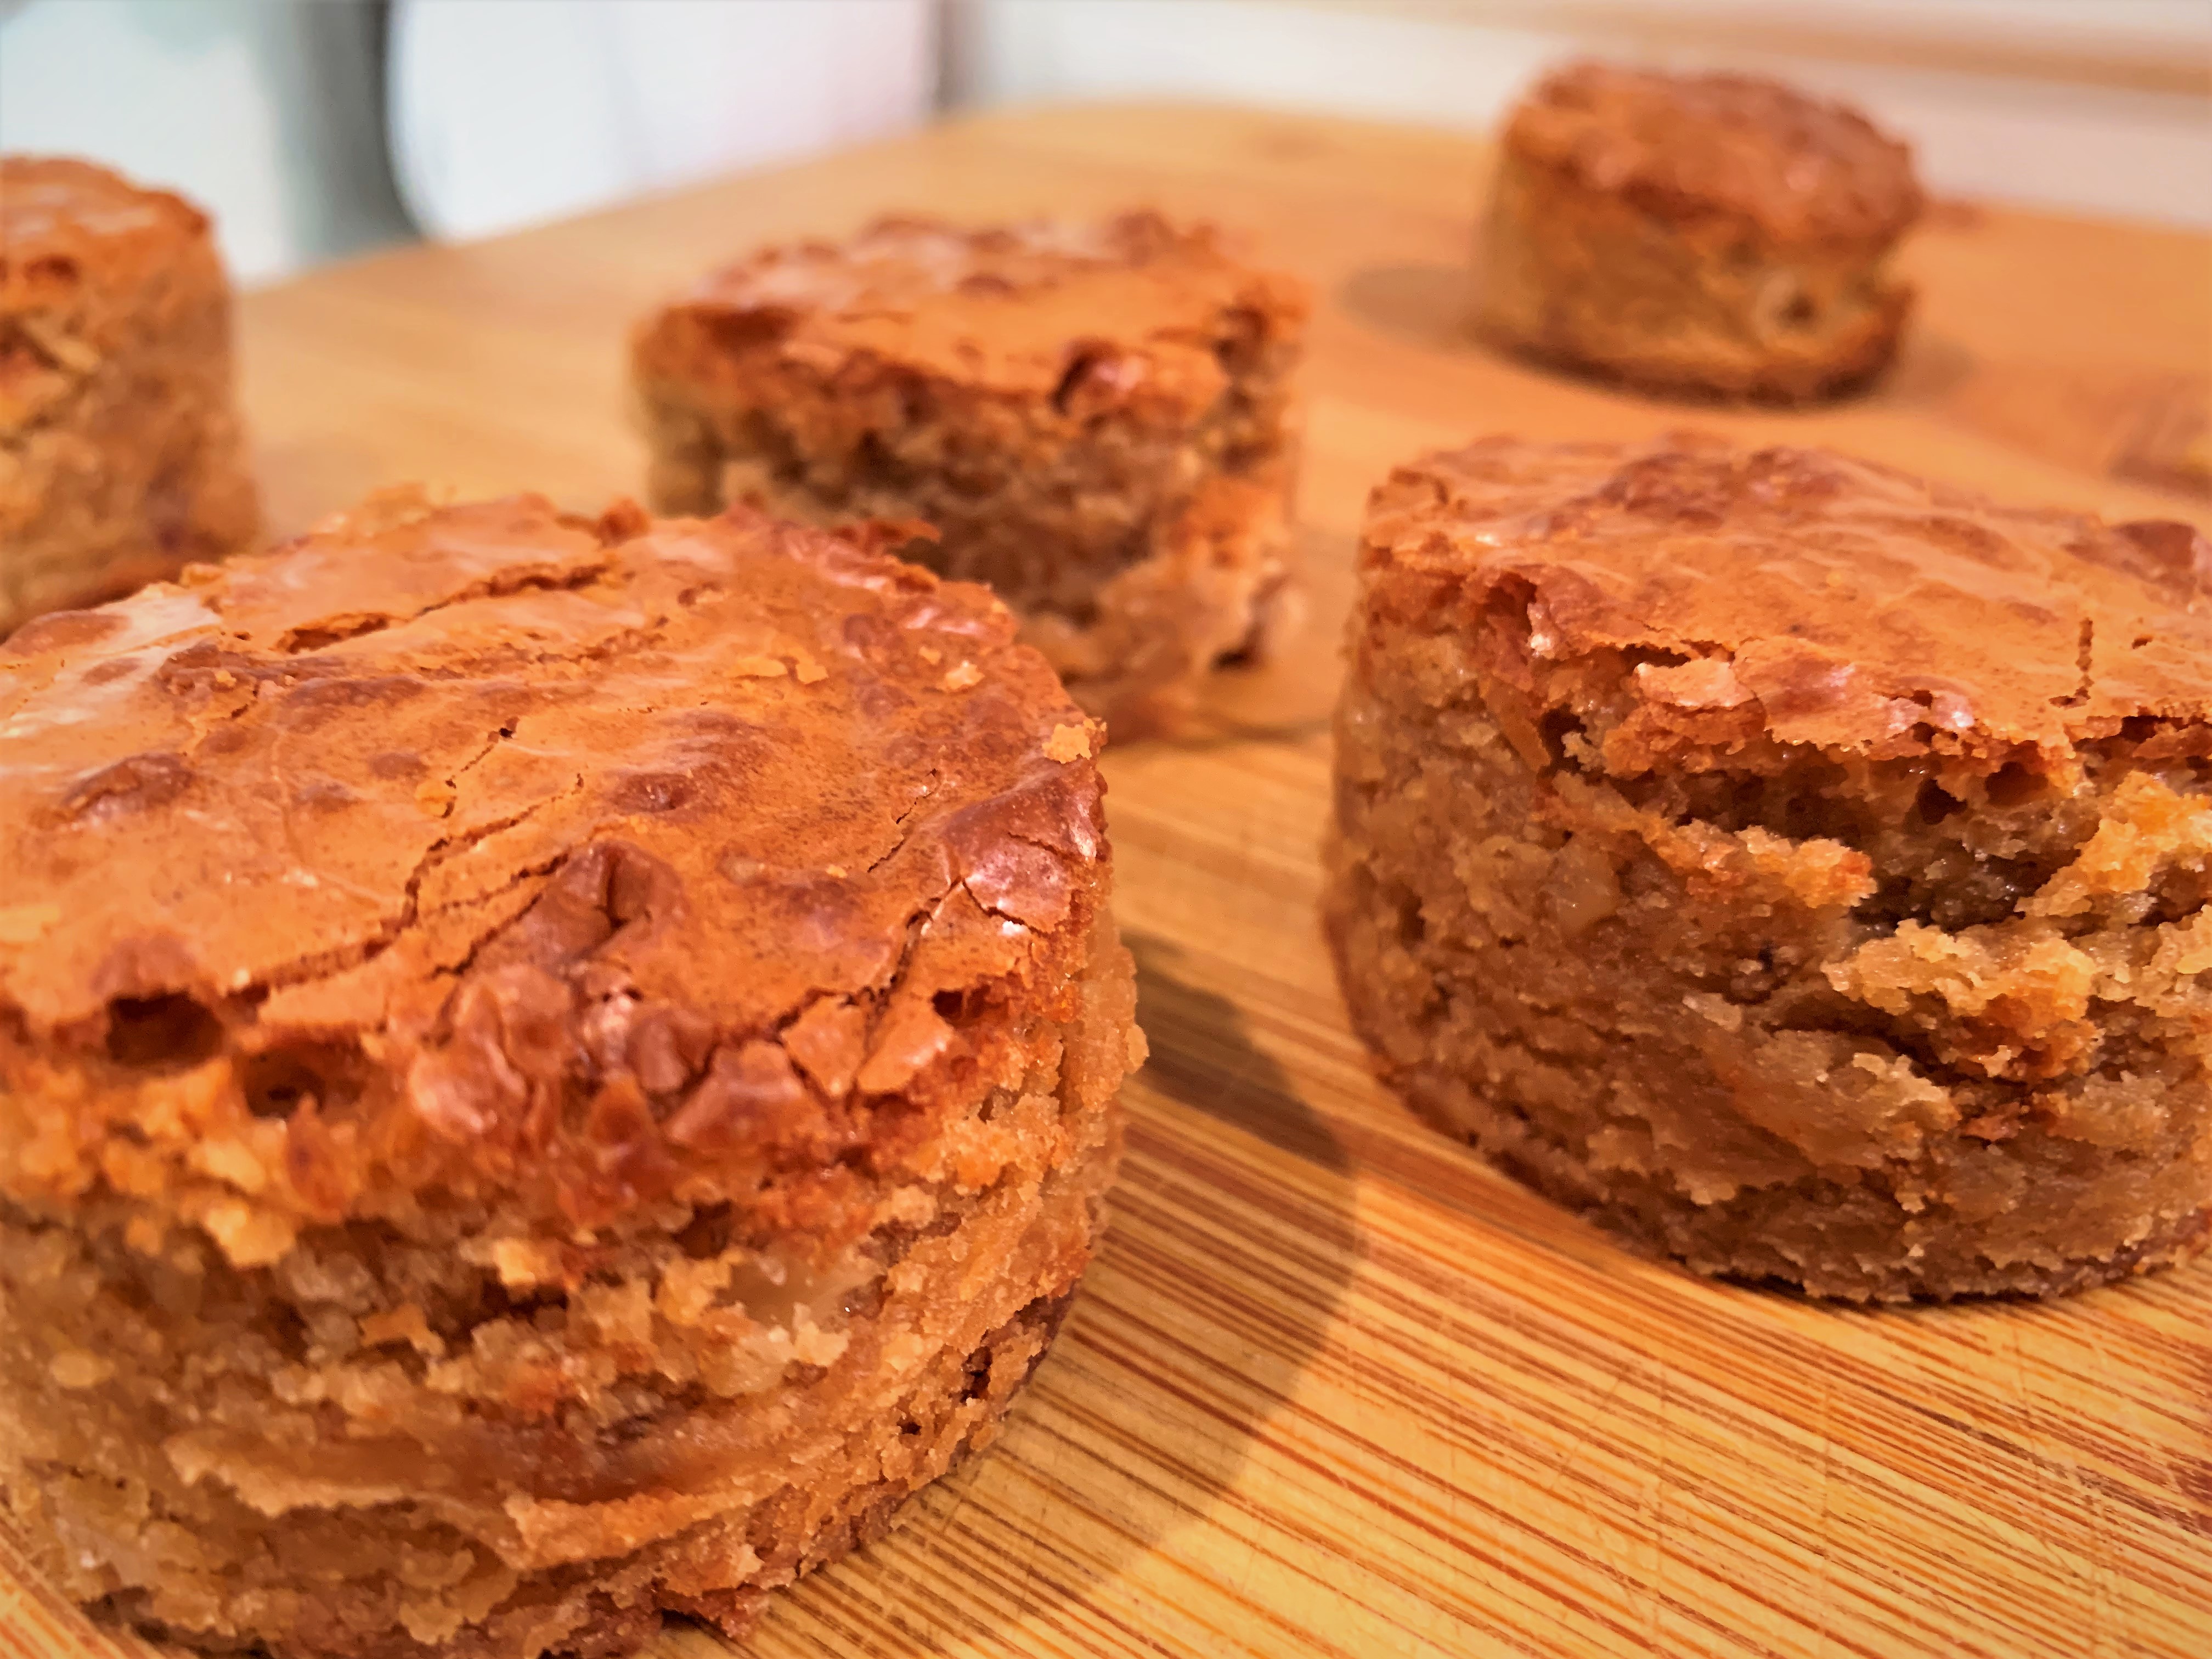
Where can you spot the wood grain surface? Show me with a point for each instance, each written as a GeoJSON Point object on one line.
{"type": "Point", "coordinates": [1334, 1387]}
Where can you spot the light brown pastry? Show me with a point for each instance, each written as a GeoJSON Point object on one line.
{"type": "Point", "coordinates": [1799, 866]}
{"type": "Point", "coordinates": [1094, 420]}
{"type": "Point", "coordinates": [1707, 235]}
{"type": "Point", "coordinates": [551, 1071]}
{"type": "Point", "coordinates": [120, 453]}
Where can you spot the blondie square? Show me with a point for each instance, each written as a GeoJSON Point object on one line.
{"type": "Point", "coordinates": [1093, 419]}
{"type": "Point", "coordinates": [121, 458]}
{"type": "Point", "coordinates": [1800, 867]}
{"type": "Point", "coordinates": [551, 1070]}
{"type": "Point", "coordinates": [1709, 235]}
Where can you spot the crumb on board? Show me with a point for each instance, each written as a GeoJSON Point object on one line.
{"type": "Point", "coordinates": [1068, 742]}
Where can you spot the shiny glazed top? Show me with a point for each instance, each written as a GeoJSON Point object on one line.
{"type": "Point", "coordinates": [1857, 605]}
{"type": "Point", "coordinates": [1800, 169]}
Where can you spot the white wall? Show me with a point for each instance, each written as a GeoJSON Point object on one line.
{"type": "Point", "coordinates": [262, 110]}
{"type": "Point", "coordinates": [2101, 149]}
{"type": "Point", "coordinates": [270, 114]}
{"type": "Point", "coordinates": [505, 113]}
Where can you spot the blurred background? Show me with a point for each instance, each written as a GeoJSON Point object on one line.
{"type": "Point", "coordinates": [316, 129]}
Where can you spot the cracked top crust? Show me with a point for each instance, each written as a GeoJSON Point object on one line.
{"type": "Point", "coordinates": [1129, 309]}
{"type": "Point", "coordinates": [1682, 144]}
{"type": "Point", "coordinates": [487, 847]}
{"type": "Point", "coordinates": [66, 222]}
{"type": "Point", "coordinates": [1840, 602]}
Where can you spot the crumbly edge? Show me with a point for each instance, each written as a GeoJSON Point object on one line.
{"type": "Point", "coordinates": [361, 1386]}
{"type": "Point", "coordinates": [1216, 587]}
{"type": "Point", "coordinates": [610, 1608]}
{"type": "Point", "coordinates": [1083, 525]}
{"type": "Point", "coordinates": [1929, 1026]}
{"type": "Point", "coordinates": [1706, 305]}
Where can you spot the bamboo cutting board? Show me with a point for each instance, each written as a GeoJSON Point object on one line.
{"type": "Point", "coordinates": [1334, 1387]}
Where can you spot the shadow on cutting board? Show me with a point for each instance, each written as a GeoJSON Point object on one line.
{"type": "Point", "coordinates": [1425, 305]}
{"type": "Point", "coordinates": [1287, 692]}
{"type": "Point", "coordinates": [1221, 1275]}
{"type": "Point", "coordinates": [1204, 1058]}
{"type": "Point", "coordinates": [1433, 307]}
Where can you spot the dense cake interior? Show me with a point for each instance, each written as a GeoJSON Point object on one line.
{"type": "Point", "coordinates": [1912, 1010]}
{"type": "Point", "coordinates": [1045, 504]}
{"type": "Point", "coordinates": [479, 1440]}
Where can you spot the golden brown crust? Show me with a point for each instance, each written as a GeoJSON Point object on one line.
{"type": "Point", "coordinates": [1129, 306]}
{"type": "Point", "coordinates": [120, 452]}
{"type": "Point", "coordinates": [589, 861]}
{"type": "Point", "coordinates": [1680, 145]}
{"type": "Point", "coordinates": [1066, 405]}
{"type": "Point", "coordinates": [1803, 867]}
{"type": "Point", "coordinates": [1856, 605]}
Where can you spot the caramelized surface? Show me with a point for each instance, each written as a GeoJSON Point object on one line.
{"type": "Point", "coordinates": [66, 224]}
{"type": "Point", "coordinates": [1823, 599]}
{"type": "Point", "coordinates": [483, 849]}
{"type": "Point", "coordinates": [1800, 169]}
{"type": "Point", "coordinates": [1131, 302]}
